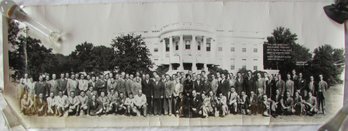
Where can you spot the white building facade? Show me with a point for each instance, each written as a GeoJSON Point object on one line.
{"type": "Point", "coordinates": [196, 47]}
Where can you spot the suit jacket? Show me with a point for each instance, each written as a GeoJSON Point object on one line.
{"type": "Point", "coordinates": [280, 84]}
{"type": "Point", "coordinates": [198, 85]}
{"type": "Point", "coordinates": [147, 87]}
{"type": "Point", "coordinates": [158, 89]}
{"type": "Point", "coordinates": [72, 85]}
{"type": "Point", "coordinates": [188, 86]}
{"type": "Point", "coordinates": [40, 87]}
{"type": "Point", "coordinates": [169, 89]}
{"type": "Point", "coordinates": [100, 84]}
{"type": "Point", "coordinates": [239, 84]}
{"type": "Point", "coordinates": [249, 85]}
{"type": "Point", "coordinates": [121, 86]}
{"type": "Point", "coordinates": [196, 102]}
{"type": "Point", "coordinates": [224, 87]}
{"type": "Point", "coordinates": [54, 87]}
{"type": "Point", "coordinates": [128, 84]}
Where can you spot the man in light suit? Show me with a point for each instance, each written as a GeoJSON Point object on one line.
{"type": "Point", "coordinates": [72, 85]}
{"type": "Point", "coordinates": [168, 92]}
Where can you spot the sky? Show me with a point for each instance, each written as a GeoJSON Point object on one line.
{"type": "Point", "coordinates": [100, 23]}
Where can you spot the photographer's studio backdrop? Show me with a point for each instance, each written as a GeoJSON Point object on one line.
{"type": "Point", "coordinates": [254, 20]}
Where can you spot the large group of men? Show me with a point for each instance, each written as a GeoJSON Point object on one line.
{"type": "Point", "coordinates": [181, 94]}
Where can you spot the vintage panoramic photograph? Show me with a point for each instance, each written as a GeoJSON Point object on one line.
{"type": "Point", "coordinates": [176, 64]}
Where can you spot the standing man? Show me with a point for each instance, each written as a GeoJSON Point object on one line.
{"type": "Point", "coordinates": [214, 84]}
{"type": "Point", "coordinates": [280, 85]}
{"type": "Point", "coordinates": [198, 85]}
{"type": "Point", "coordinates": [54, 85]}
{"type": "Point", "coordinates": [249, 84]}
{"type": "Point", "coordinates": [158, 93]}
{"type": "Point", "coordinates": [147, 89]}
{"type": "Point", "coordinates": [72, 85]}
{"type": "Point", "coordinates": [83, 83]}
{"type": "Point", "coordinates": [168, 92]}
{"type": "Point", "coordinates": [101, 85]}
{"type": "Point", "coordinates": [289, 85]}
{"type": "Point", "coordinates": [224, 85]}
{"type": "Point", "coordinates": [260, 84]}
{"type": "Point", "coordinates": [322, 86]}
{"type": "Point", "coordinates": [239, 84]}
{"type": "Point", "coordinates": [40, 87]}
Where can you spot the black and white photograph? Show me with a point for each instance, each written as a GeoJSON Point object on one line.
{"type": "Point", "coordinates": [206, 63]}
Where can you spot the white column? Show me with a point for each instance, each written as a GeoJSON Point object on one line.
{"type": "Point", "coordinates": [194, 53]}
{"type": "Point", "coordinates": [204, 53]}
{"type": "Point", "coordinates": [170, 52]}
{"type": "Point", "coordinates": [181, 52]}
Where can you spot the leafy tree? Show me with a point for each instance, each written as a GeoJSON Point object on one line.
{"type": "Point", "coordinates": [325, 62]}
{"type": "Point", "coordinates": [131, 53]}
{"type": "Point", "coordinates": [283, 35]}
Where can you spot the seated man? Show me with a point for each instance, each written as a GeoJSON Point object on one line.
{"type": "Point", "coordinates": [232, 98]}
{"type": "Point", "coordinates": [114, 103]}
{"type": "Point", "coordinates": [140, 103]}
{"type": "Point", "coordinates": [253, 103]}
{"type": "Point", "coordinates": [287, 104]}
{"type": "Point", "coordinates": [121, 108]}
{"type": "Point", "coordinates": [276, 106]}
{"type": "Point", "coordinates": [51, 104]}
{"type": "Point", "coordinates": [311, 104]}
{"type": "Point", "coordinates": [298, 105]}
{"type": "Point", "coordinates": [27, 105]}
{"type": "Point", "coordinates": [95, 107]}
{"type": "Point", "coordinates": [196, 104]}
{"type": "Point", "coordinates": [40, 105]}
{"type": "Point", "coordinates": [243, 103]}
{"type": "Point", "coordinates": [61, 103]}
{"type": "Point", "coordinates": [104, 100]}
{"type": "Point", "coordinates": [222, 105]}
{"type": "Point", "coordinates": [83, 98]}
{"type": "Point", "coordinates": [209, 104]}
{"type": "Point", "coordinates": [266, 106]}
{"type": "Point", "coordinates": [129, 103]}
{"type": "Point", "coordinates": [73, 103]}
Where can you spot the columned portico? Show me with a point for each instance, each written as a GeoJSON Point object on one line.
{"type": "Point", "coordinates": [187, 51]}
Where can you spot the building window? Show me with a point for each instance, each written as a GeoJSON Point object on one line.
{"type": "Point", "coordinates": [176, 45]}
{"type": "Point", "coordinates": [155, 50]}
{"type": "Point", "coordinates": [167, 44]}
{"type": "Point", "coordinates": [220, 49]}
{"type": "Point", "coordinates": [243, 49]}
{"type": "Point", "coordinates": [243, 59]}
{"type": "Point", "coordinates": [255, 50]}
{"type": "Point", "coordinates": [232, 49]}
{"type": "Point", "coordinates": [187, 44]}
{"type": "Point", "coordinates": [232, 67]}
{"type": "Point", "coordinates": [208, 44]}
{"type": "Point", "coordinates": [199, 46]}
{"type": "Point", "coordinates": [255, 59]}
{"type": "Point", "coordinates": [255, 67]}
{"type": "Point", "coordinates": [244, 66]}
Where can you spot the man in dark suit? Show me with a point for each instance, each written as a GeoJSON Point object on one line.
{"type": "Point", "coordinates": [198, 85]}
{"type": "Point", "coordinates": [196, 105]}
{"type": "Point", "coordinates": [249, 84]}
{"type": "Point", "coordinates": [224, 85]}
{"type": "Point", "coordinates": [40, 87]}
{"type": "Point", "coordinates": [158, 93]}
{"type": "Point", "coordinates": [147, 88]}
